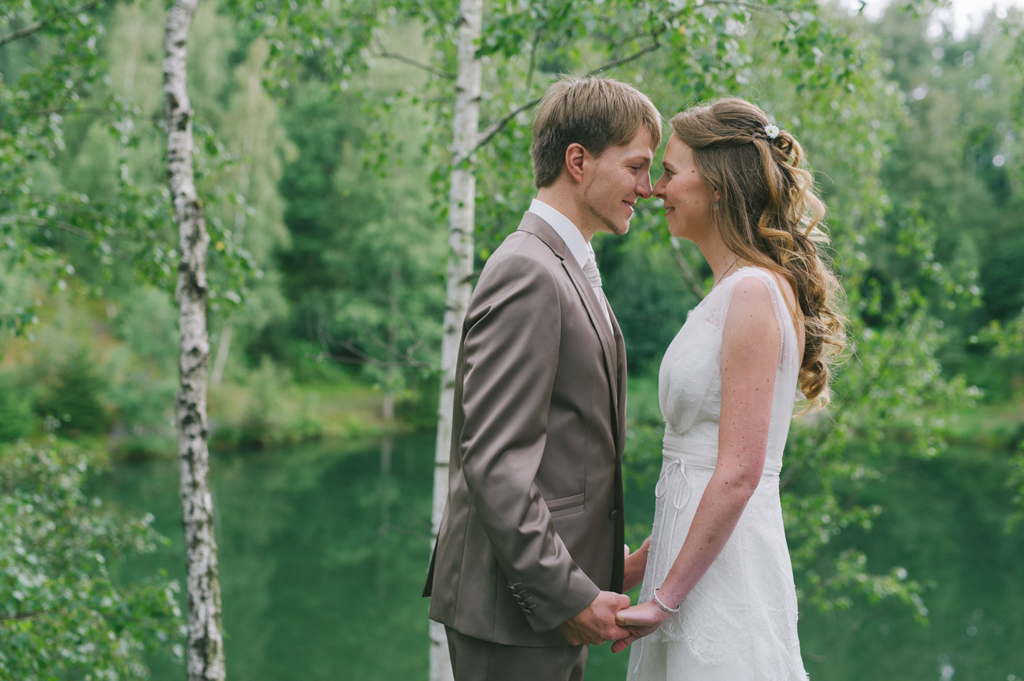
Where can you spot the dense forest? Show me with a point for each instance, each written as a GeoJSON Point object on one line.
{"type": "Point", "coordinates": [324, 175]}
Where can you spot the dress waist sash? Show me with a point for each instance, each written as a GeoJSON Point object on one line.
{"type": "Point", "coordinates": [680, 455]}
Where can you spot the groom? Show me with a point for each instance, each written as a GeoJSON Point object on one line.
{"type": "Point", "coordinates": [528, 567]}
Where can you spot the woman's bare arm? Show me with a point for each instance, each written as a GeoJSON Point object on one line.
{"type": "Point", "coordinates": [751, 346]}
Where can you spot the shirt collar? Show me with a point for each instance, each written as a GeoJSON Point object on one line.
{"type": "Point", "coordinates": [563, 226]}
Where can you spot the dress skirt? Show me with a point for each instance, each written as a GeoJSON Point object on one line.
{"type": "Point", "coordinates": [739, 623]}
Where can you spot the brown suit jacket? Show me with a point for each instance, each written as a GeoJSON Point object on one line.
{"type": "Point", "coordinates": [533, 528]}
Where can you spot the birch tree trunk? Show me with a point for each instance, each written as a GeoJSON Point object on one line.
{"type": "Point", "coordinates": [461, 205]}
{"type": "Point", "coordinates": [205, 653]}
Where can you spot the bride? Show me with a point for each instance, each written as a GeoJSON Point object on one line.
{"type": "Point", "coordinates": [718, 601]}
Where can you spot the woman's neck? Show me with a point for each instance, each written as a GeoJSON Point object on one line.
{"type": "Point", "coordinates": [719, 257]}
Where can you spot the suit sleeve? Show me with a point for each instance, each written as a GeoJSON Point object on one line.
{"type": "Point", "coordinates": [511, 351]}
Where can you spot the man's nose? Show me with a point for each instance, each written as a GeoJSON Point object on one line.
{"type": "Point", "coordinates": [643, 188]}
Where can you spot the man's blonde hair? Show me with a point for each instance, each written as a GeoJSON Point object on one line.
{"type": "Point", "coordinates": [596, 113]}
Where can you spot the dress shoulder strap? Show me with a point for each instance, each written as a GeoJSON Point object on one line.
{"type": "Point", "coordinates": [783, 316]}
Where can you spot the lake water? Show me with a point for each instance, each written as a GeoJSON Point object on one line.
{"type": "Point", "coordinates": [323, 552]}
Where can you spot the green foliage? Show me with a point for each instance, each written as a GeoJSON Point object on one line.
{"type": "Point", "coordinates": [143, 372]}
{"type": "Point", "coordinates": [957, 160]}
{"type": "Point", "coordinates": [364, 270]}
{"type": "Point", "coordinates": [15, 410]}
{"type": "Point", "coordinates": [817, 72]}
{"type": "Point", "coordinates": [72, 392]}
{"type": "Point", "coordinates": [885, 254]}
{"type": "Point", "coordinates": [267, 421]}
{"type": "Point", "coordinates": [46, 76]}
{"type": "Point", "coordinates": [82, 183]}
{"type": "Point", "coordinates": [898, 297]}
{"type": "Point", "coordinates": [62, 614]}
{"type": "Point", "coordinates": [645, 289]}
{"type": "Point", "coordinates": [327, 209]}
{"type": "Point", "coordinates": [1016, 483]}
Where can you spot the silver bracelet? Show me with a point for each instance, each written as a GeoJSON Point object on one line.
{"type": "Point", "coordinates": [664, 607]}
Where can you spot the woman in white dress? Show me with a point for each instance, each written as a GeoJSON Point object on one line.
{"type": "Point", "coordinates": [718, 601]}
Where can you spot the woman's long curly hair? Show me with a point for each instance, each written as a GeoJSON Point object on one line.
{"type": "Point", "coordinates": [770, 214]}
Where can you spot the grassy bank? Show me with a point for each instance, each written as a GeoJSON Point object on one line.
{"type": "Point", "coordinates": [989, 426]}
{"type": "Point", "coordinates": [266, 414]}
{"type": "Point", "coordinates": [105, 376]}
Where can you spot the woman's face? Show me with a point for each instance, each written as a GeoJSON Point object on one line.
{"type": "Point", "coordinates": [688, 199]}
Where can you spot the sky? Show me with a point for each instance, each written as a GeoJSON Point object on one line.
{"type": "Point", "coordinates": [961, 15]}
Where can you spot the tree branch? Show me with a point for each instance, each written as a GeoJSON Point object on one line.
{"type": "Point", "coordinates": [684, 269]}
{"type": "Point", "coordinates": [625, 60]}
{"type": "Point", "coordinates": [753, 7]}
{"type": "Point", "coordinates": [388, 527]}
{"type": "Point", "coordinates": [655, 34]}
{"type": "Point", "coordinates": [32, 28]}
{"type": "Point", "coordinates": [533, 56]}
{"type": "Point", "coordinates": [384, 54]}
{"type": "Point", "coordinates": [25, 616]}
{"type": "Point", "coordinates": [65, 227]}
{"type": "Point", "coordinates": [489, 134]}
{"type": "Point", "coordinates": [360, 357]}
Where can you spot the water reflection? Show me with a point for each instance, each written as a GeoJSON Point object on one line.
{"type": "Point", "coordinates": [323, 551]}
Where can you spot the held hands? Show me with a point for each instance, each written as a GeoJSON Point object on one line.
{"type": "Point", "coordinates": [640, 620]}
{"type": "Point", "coordinates": [596, 623]}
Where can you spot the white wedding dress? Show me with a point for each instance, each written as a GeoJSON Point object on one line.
{"type": "Point", "coordinates": [739, 621]}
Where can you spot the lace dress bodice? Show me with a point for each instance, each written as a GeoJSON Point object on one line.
{"type": "Point", "coordinates": [739, 621]}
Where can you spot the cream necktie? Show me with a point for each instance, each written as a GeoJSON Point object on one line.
{"type": "Point", "coordinates": [594, 277]}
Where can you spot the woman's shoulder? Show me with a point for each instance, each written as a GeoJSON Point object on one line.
{"type": "Point", "coordinates": [765, 299]}
{"type": "Point", "coordinates": [750, 293]}
{"type": "Point", "coordinates": [747, 272]}
{"type": "Point", "coordinates": [774, 283]}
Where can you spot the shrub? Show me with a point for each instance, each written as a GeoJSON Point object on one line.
{"type": "Point", "coordinates": [73, 393]}
{"type": "Point", "coordinates": [61, 614]}
{"type": "Point", "coordinates": [15, 410]}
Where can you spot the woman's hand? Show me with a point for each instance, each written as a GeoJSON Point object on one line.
{"type": "Point", "coordinates": [636, 564]}
{"type": "Point", "coordinates": [642, 619]}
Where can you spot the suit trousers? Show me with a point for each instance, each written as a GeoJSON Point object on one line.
{"type": "Point", "coordinates": [476, 660]}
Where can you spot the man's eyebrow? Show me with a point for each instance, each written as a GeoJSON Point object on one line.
{"type": "Point", "coordinates": [640, 158]}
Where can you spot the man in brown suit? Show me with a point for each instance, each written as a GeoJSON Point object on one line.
{"type": "Point", "coordinates": [529, 565]}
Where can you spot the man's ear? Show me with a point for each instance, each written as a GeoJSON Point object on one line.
{"type": "Point", "coordinates": [574, 154]}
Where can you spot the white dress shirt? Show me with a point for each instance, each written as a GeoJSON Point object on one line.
{"type": "Point", "coordinates": [573, 238]}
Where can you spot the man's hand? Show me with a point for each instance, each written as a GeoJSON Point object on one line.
{"type": "Point", "coordinates": [596, 623]}
{"type": "Point", "coordinates": [641, 620]}
{"type": "Point", "coordinates": [636, 564]}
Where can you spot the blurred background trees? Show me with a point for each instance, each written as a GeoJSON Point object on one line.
{"type": "Point", "coordinates": [323, 168]}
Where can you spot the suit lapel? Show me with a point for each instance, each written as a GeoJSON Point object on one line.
{"type": "Point", "coordinates": [597, 320]}
{"type": "Point", "coordinates": [543, 231]}
{"type": "Point", "coordinates": [620, 373]}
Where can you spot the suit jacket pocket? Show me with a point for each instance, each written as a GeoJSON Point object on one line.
{"type": "Point", "coordinates": [566, 505]}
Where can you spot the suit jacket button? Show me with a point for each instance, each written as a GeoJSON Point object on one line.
{"type": "Point", "coordinates": [613, 514]}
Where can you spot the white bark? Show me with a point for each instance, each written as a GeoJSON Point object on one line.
{"type": "Point", "coordinates": [461, 207]}
{"type": "Point", "coordinates": [205, 652]}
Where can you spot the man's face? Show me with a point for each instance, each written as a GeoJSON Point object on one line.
{"type": "Point", "coordinates": [615, 180]}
